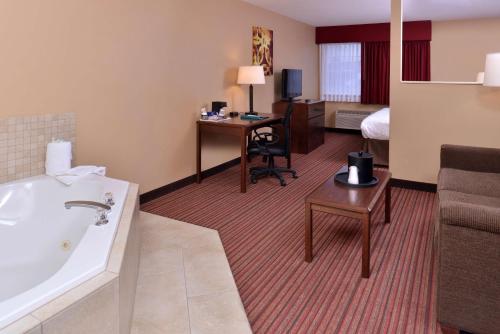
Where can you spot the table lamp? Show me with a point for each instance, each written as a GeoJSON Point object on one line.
{"type": "Point", "coordinates": [492, 70]}
{"type": "Point", "coordinates": [251, 75]}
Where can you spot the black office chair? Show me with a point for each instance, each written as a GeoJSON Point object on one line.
{"type": "Point", "coordinates": [268, 145]}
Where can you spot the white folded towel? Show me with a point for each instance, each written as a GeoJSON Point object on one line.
{"type": "Point", "coordinates": [58, 157]}
{"type": "Point", "coordinates": [74, 174]}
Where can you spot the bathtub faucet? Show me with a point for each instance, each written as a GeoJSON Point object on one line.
{"type": "Point", "coordinates": [102, 209]}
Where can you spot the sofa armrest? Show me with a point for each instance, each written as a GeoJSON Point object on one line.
{"type": "Point", "coordinates": [473, 216]}
{"type": "Point", "coordinates": [476, 159]}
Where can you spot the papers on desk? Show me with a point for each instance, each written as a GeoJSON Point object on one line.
{"type": "Point", "coordinates": [219, 119]}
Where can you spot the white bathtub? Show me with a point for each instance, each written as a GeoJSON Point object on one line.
{"type": "Point", "coordinates": [45, 249]}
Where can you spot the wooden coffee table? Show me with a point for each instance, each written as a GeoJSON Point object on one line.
{"type": "Point", "coordinates": [339, 199]}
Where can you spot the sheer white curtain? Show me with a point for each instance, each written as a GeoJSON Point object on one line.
{"type": "Point", "coordinates": [340, 72]}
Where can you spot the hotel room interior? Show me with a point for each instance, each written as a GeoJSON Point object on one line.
{"type": "Point", "coordinates": [250, 166]}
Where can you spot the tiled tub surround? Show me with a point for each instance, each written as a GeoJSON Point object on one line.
{"type": "Point", "coordinates": [23, 142]}
{"type": "Point", "coordinates": [103, 304]}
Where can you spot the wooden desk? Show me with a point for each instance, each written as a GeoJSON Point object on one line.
{"type": "Point", "coordinates": [236, 127]}
{"type": "Point", "coordinates": [339, 199]}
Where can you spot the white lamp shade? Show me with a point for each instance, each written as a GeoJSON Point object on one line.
{"type": "Point", "coordinates": [251, 75]}
{"type": "Point", "coordinates": [492, 70]}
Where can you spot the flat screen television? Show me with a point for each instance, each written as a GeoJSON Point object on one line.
{"type": "Point", "coordinates": [291, 83]}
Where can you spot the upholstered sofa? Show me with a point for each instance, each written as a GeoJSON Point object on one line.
{"type": "Point", "coordinates": [468, 239]}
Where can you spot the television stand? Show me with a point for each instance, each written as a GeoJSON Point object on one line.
{"type": "Point", "coordinates": [307, 126]}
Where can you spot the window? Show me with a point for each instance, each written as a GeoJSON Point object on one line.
{"type": "Point", "coordinates": [340, 72]}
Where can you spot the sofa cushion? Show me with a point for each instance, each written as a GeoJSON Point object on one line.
{"type": "Point", "coordinates": [450, 195]}
{"type": "Point", "coordinates": [485, 184]}
{"type": "Point", "coordinates": [475, 216]}
{"type": "Point", "coordinates": [469, 210]}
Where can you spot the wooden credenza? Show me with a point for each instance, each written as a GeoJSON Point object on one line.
{"type": "Point", "coordinates": [308, 124]}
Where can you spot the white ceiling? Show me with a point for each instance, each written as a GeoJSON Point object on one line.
{"type": "Point", "coordinates": [340, 12]}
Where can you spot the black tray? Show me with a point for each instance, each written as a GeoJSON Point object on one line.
{"type": "Point", "coordinates": [342, 177]}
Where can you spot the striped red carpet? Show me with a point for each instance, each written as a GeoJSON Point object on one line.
{"type": "Point", "coordinates": [263, 235]}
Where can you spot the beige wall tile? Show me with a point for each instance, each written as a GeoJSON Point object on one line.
{"type": "Point", "coordinates": [64, 302]}
{"type": "Point", "coordinates": [26, 325]}
{"type": "Point", "coordinates": [128, 277]}
{"type": "Point", "coordinates": [130, 210]}
{"type": "Point", "coordinates": [23, 141]}
{"type": "Point", "coordinates": [96, 313]}
{"type": "Point", "coordinates": [36, 330]}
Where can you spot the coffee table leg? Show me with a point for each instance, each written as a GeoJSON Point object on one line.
{"type": "Point", "coordinates": [365, 266]}
{"type": "Point", "coordinates": [388, 204]}
{"type": "Point", "coordinates": [308, 233]}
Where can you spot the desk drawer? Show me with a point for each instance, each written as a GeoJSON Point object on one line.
{"type": "Point", "coordinates": [307, 128]}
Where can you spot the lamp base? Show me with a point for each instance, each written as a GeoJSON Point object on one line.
{"type": "Point", "coordinates": [251, 113]}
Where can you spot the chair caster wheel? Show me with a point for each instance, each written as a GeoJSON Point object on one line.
{"type": "Point", "coordinates": [295, 176]}
{"type": "Point", "coordinates": [283, 183]}
{"type": "Point", "coordinates": [254, 181]}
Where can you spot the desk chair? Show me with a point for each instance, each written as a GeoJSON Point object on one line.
{"type": "Point", "coordinates": [268, 145]}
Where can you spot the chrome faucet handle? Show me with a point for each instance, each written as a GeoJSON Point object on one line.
{"type": "Point", "coordinates": [101, 217]}
{"type": "Point", "coordinates": [87, 204]}
{"type": "Point", "coordinates": [108, 199]}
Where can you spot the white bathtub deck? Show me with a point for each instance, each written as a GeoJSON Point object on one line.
{"type": "Point", "coordinates": [185, 283]}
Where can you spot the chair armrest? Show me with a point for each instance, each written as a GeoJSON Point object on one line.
{"type": "Point", "coordinates": [473, 216]}
{"type": "Point", "coordinates": [477, 159]}
{"type": "Point", "coordinates": [272, 127]}
{"type": "Point", "coordinates": [266, 138]}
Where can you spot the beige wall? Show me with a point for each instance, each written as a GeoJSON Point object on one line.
{"type": "Point", "coordinates": [458, 48]}
{"type": "Point", "coordinates": [332, 107]}
{"type": "Point", "coordinates": [424, 116]}
{"type": "Point", "coordinates": [137, 72]}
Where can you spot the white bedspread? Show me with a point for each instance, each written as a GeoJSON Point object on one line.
{"type": "Point", "coordinates": [376, 126]}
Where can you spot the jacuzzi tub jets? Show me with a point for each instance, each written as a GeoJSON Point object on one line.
{"type": "Point", "coordinates": [46, 249]}
{"type": "Point", "coordinates": [66, 245]}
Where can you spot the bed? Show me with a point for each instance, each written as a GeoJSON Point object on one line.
{"type": "Point", "coordinates": [375, 130]}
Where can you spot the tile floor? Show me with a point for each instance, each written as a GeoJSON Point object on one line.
{"type": "Point", "coordinates": [185, 283]}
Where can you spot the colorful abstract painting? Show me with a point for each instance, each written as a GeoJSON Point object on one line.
{"type": "Point", "coordinates": [262, 49]}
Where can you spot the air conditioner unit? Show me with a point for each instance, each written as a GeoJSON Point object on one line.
{"type": "Point", "coordinates": [350, 119]}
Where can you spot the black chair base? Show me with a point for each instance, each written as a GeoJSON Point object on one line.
{"type": "Point", "coordinates": [256, 172]}
{"type": "Point", "coordinates": [267, 144]}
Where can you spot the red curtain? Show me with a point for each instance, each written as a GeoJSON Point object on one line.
{"type": "Point", "coordinates": [378, 32]}
{"type": "Point", "coordinates": [375, 73]}
{"type": "Point", "coordinates": [375, 68]}
{"type": "Point", "coordinates": [416, 61]}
